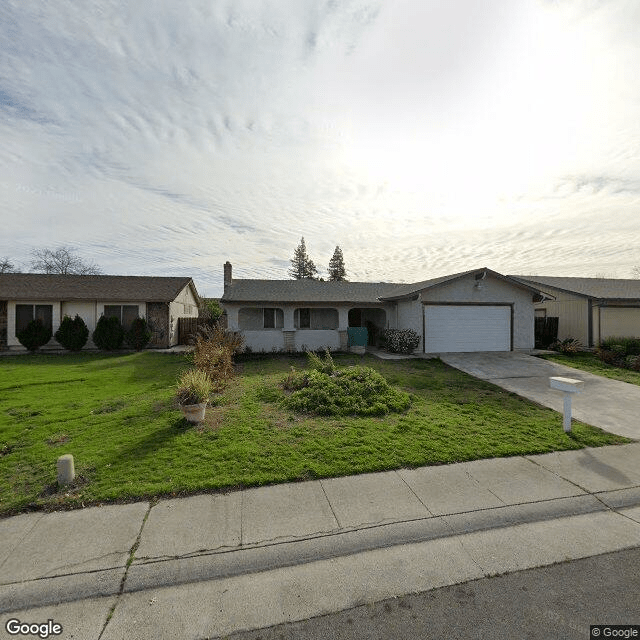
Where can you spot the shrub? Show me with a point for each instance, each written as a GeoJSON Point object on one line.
{"type": "Point", "coordinates": [568, 345]}
{"type": "Point", "coordinates": [139, 334]}
{"type": "Point", "coordinates": [194, 387]}
{"type": "Point", "coordinates": [350, 391]}
{"type": "Point", "coordinates": [213, 353]}
{"type": "Point", "coordinates": [317, 364]}
{"type": "Point", "coordinates": [622, 345]}
{"type": "Point", "coordinates": [401, 340]}
{"type": "Point", "coordinates": [72, 334]}
{"type": "Point", "coordinates": [108, 334]}
{"type": "Point", "coordinates": [34, 335]}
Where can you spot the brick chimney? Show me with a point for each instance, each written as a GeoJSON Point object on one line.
{"type": "Point", "coordinates": [227, 274]}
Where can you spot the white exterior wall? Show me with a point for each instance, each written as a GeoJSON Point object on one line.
{"type": "Point", "coordinates": [317, 339]}
{"type": "Point", "coordinates": [493, 291]}
{"type": "Point", "coordinates": [184, 306]}
{"type": "Point", "coordinates": [409, 316]}
{"type": "Point", "coordinates": [264, 340]}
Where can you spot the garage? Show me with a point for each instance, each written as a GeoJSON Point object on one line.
{"type": "Point", "coordinates": [466, 328]}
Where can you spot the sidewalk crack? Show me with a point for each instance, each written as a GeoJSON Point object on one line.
{"type": "Point", "coordinates": [330, 505]}
{"type": "Point", "coordinates": [132, 554]}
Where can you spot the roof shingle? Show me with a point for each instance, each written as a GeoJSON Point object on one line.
{"type": "Point", "coordinates": [39, 286]}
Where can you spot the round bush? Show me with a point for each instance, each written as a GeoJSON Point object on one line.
{"type": "Point", "coordinates": [34, 335]}
{"type": "Point", "coordinates": [109, 334]}
{"type": "Point", "coordinates": [139, 335]}
{"type": "Point", "coordinates": [72, 333]}
{"type": "Point", "coordinates": [358, 391]}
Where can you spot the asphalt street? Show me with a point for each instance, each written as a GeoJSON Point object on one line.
{"type": "Point", "coordinates": [557, 602]}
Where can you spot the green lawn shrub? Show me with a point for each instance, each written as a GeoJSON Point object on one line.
{"type": "Point", "coordinates": [354, 390]}
{"type": "Point", "coordinates": [138, 335]}
{"type": "Point", "coordinates": [620, 351]}
{"type": "Point", "coordinates": [108, 334]}
{"type": "Point", "coordinates": [34, 335]}
{"type": "Point", "coordinates": [72, 333]}
{"type": "Point", "coordinates": [401, 340]}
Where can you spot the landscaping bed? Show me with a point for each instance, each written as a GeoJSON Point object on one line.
{"type": "Point", "coordinates": [118, 416]}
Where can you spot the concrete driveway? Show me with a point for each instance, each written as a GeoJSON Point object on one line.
{"type": "Point", "coordinates": [609, 404]}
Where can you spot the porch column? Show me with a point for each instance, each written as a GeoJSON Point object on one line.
{"type": "Point", "coordinates": [288, 318]}
{"type": "Point", "coordinates": [343, 325]}
{"type": "Point", "coordinates": [343, 318]}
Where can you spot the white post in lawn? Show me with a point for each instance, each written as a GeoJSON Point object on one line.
{"type": "Point", "coordinates": [66, 471]}
{"type": "Point", "coordinates": [569, 386]}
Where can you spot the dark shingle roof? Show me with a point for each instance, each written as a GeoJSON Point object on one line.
{"type": "Point", "coordinates": [602, 288]}
{"type": "Point", "coordinates": [305, 291]}
{"type": "Point", "coordinates": [38, 286]}
{"type": "Point", "coordinates": [316, 291]}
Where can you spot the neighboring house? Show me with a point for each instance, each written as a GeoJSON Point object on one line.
{"type": "Point", "coordinates": [478, 310]}
{"type": "Point", "coordinates": [589, 309]}
{"type": "Point", "coordinates": [25, 296]}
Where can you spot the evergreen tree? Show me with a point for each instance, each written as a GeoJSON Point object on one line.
{"type": "Point", "coordinates": [301, 265]}
{"type": "Point", "coordinates": [337, 271]}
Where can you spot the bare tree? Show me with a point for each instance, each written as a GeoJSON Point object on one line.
{"type": "Point", "coordinates": [6, 266]}
{"type": "Point", "coordinates": [62, 260]}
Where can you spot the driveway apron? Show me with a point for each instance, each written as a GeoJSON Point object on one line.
{"type": "Point", "coordinates": [609, 404]}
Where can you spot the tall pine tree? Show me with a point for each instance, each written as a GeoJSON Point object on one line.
{"type": "Point", "coordinates": [301, 264]}
{"type": "Point", "coordinates": [337, 271]}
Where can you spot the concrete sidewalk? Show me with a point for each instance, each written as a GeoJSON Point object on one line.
{"type": "Point", "coordinates": [209, 565]}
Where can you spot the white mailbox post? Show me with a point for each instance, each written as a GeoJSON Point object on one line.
{"type": "Point", "coordinates": [569, 386]}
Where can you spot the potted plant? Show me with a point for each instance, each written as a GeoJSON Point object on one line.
{"type": "Point", "coordinates": [194, 387]}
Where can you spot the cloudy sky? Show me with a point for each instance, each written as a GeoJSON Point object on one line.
{"type": "Point", "coordinates": [424, 137]}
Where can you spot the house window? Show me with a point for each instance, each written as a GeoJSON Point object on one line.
{"type": "Point", "coordinates": [302, 319]}
{"type": "Point", "coordinates": [126, 313]}
{"type": "Point", "coordinates": [25, 313]}
{"type": "Point", "coordinates": [272, 318]}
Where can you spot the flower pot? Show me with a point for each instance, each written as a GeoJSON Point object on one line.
{"type": "Point", "coordinates": [194, 412]}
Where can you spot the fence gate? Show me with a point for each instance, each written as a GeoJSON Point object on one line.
{"type": "Point", "coordinates": [187, 327]}
{"type": "Point", "coordinates": [546, 331]}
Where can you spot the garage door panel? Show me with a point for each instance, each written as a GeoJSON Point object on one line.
{"type": "Point", "coordinates": [464, 328]}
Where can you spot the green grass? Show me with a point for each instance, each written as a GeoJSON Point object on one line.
{"type": "Point", "coordinates": [116, 415]}
{"type": "Point", "coordinates": [591, 363]}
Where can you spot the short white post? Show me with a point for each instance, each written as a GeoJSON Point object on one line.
{"type": "Point", "coordinates": [569, 386]}
{"type": "Point", "coordinates": [66, 471]}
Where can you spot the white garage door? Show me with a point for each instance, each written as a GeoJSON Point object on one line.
{"type": "Point", "coordinates": [467, 328]}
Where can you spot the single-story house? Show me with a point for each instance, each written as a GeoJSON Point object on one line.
{"type": "Point", "coordinates": [589, 309]}
{"type": "Point", "coordinates": [161, 301]}
{"type": "Point", "coordinates": [478, 310]}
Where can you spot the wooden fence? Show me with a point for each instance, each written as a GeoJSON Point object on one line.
{"type": "Point", "coordinates": [546, 331]}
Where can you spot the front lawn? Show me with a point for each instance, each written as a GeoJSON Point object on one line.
{"type": "Point", "coordinates": [590, 362]}
{"type": "Point", "coordinates": [116, 415]}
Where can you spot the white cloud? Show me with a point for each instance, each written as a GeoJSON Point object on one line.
{"type": "Point", "coordinates": [423, 137]}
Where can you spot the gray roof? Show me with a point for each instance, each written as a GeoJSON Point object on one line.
{"type": "Point", "coordinates": [600, 288]}
{"type": "Point", "coordinates": [305, 291]}
{"type": "Point", "coordinates": [308, 290]}
{"type": "Point", "coordinates": [39, 286]}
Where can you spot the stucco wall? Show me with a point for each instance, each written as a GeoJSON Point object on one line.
{"type": "Point", "coordinates": [264, 340]}
{"type": "Point", "coordinates": [317, 339]}
{"type": "Point", "coordinates": [572, 312]}
{"type": "Point", "coordinates": [492, 291]}
{"type": "Point", "coordinates": [409, 316]}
